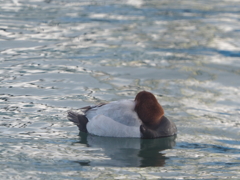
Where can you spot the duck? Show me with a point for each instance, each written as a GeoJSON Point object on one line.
{"type": "Point", "coordinates": [142, 117]}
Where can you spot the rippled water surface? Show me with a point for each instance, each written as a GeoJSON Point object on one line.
{"type": "Point", "coordinates": [60, 55]}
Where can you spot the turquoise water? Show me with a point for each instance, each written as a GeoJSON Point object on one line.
{"type": "Point", "coordinates": [61, 55]}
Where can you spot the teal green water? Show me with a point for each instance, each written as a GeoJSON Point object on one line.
{"type": "Point", "coordinates": [61, 55]}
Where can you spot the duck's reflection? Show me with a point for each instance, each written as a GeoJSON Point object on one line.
{"type": "Point", "coordinates": [127, 152]}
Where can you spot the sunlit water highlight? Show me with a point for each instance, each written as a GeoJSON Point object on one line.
{"type": "Point", "coordinates": [61, 55]}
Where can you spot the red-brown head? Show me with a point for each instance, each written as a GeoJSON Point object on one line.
{"type": "Point", "coordinates": [148, 108]}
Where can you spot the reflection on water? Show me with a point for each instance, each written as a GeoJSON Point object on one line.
{"type": "Point", "coordinates": [127, 152]}
{"type": "Point", "coordinates": [58, 55]}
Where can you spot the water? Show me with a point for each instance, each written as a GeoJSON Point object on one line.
{"type": "Point", "coordinates": [61, 55]}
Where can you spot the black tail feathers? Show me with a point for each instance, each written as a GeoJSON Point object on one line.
{"type": "Point", "coordinates": [78, 119]}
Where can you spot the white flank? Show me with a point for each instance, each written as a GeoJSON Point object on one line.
{"type": "Point", "coordinates": [116, 119]}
